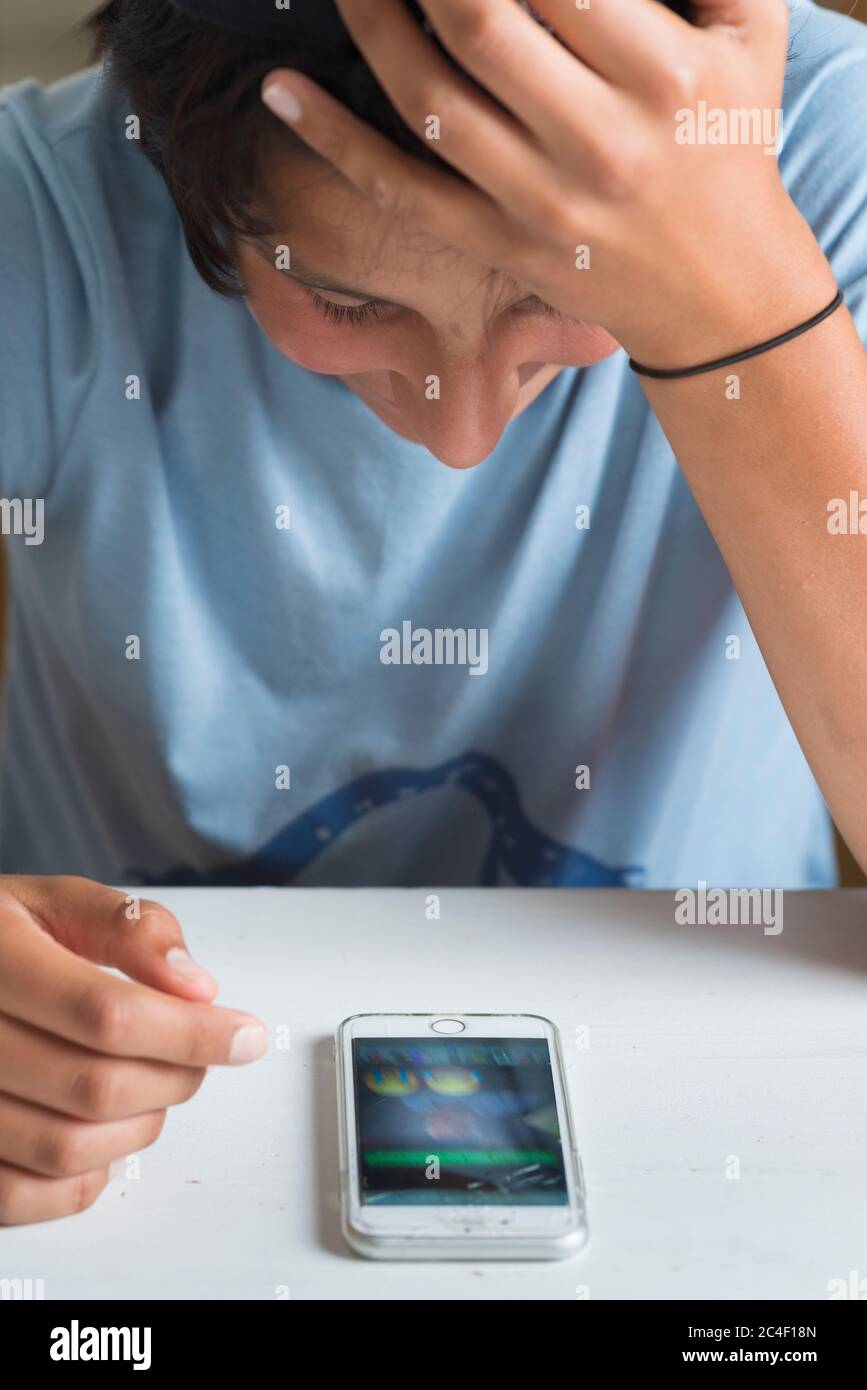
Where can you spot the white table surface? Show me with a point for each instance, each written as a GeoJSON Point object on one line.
{"type": "Point", "coordinates": [704, 1043]}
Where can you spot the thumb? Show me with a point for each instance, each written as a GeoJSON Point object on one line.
{"type": "Point", "coordinates": [135, 935]}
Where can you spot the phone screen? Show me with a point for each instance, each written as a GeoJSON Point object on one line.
{"type": "Point", "coordinates": [457, 1121]}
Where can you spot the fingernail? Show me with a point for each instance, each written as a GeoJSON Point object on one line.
{"type": "Point", "coordinates": [248, 1043]}
{"type": "Point", "coordinates": [181, 963]}
{"type": "Point", "coordinates": [283, 102]}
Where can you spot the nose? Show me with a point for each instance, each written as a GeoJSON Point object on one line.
{"type": "Point", "coordinates": [458, 406]}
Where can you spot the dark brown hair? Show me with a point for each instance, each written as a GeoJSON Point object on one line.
{"type": "Point", "coordinates": [195, 89]}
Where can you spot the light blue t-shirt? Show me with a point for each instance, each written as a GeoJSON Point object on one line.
{"type": "Point", "coordinates": [196, 690]}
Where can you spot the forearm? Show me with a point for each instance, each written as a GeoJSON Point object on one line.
{"type": "Point", "coordinates": [763, 468]}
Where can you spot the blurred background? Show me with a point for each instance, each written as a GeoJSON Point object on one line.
{"type": "Point", "coordinates": [38, 39]}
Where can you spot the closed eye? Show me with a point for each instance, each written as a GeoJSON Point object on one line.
{"type": "Point", "coordinates": [346, 313]}
{"type": "Point", "coordinates": [374, 308]}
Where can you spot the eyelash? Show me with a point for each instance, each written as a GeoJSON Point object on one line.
{"type": "Point", "coordinates": [360, 313]}
{"type": "Point", "coordinates": [344, 313]}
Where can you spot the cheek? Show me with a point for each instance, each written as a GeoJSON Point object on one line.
{"type": "Point", "coordinates": [298, 330]}
{"type": "Point", "coordinates": [301, 333]}
{"type": "Point", "coordinates": [305, 338]}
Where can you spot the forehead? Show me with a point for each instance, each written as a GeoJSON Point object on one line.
{"type": "Point", "coordinates": [333, 228]}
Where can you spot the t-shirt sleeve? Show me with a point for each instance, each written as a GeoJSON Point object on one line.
{"type": "Point", "coordinates": [43, 343]}
{"type": "Point", "coordinates": [822, 160]}
{"type": "Point", "coordinates": [26, 432]}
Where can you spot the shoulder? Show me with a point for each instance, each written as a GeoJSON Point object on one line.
{"type": "Point", "coordinates": [69, 181]}
{"type": "Point", "coordinates": [820, 39]}
{"type": "Point", "coordinates": [824, 137]}
{"type": "Point", "coordinates": [50, 113]}
{"type": "Point", "coordinates": [66, 147]}
{"type": "Point", "coordinates": [826, 71]}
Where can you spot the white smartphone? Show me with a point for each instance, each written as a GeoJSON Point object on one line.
{"type": "Point", "coordinates": [456, 1140]}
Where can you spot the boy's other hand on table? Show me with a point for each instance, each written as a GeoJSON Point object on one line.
{"type": "Point", "coordinates": [90, 1062]}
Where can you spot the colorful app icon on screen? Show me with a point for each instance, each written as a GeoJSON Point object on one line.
{"type": "Point", "coordinates": [451, 1081]}
{"type": "Point", "coordinates": [391, 1081]}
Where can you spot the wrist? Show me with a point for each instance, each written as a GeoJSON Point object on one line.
{"type": "Point", "coordinates": [717, 311]}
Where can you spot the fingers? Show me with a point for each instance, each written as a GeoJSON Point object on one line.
{"type": "Point", "coordinates": [56, 1146]}
{"type": "Point", "coordinates": [474, 135]}
{"type": "Point", "coordinates": [103, 925]}
{"type": "Point", "coordinates": [44, 984]}
{"type": "Point", "coordinates": [89, 1062]}
{"type": "Point", "coordinates": [409, 188]}
{"type": "Point", "coordinates": [632, 44]}
{"type": "Point", "coordinates": [26, 1197]}
{"type": "Point", "coordinates": [49, 1072]}
{"type": "Point", "coordinates": [518, 62]}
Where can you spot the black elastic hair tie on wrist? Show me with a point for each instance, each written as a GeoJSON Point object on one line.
{"type": "Point", "coordinates": [667, 374]}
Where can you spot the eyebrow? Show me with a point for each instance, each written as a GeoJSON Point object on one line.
{"type": "Point", "coordinates": [314, 279]}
